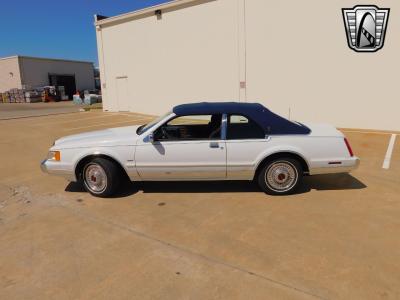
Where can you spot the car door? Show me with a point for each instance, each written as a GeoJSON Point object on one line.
{"type": "Point", "coordinates": [245, 142]}
{"type": "Point", "coordinates": [184, 148]}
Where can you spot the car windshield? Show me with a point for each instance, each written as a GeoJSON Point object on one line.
{"type": "Point", "coordinates": [146, 127]}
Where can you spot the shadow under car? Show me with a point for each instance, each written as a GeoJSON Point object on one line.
{"type": "Point", "coordinates": [317, 182]}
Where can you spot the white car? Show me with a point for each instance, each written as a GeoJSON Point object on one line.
{"type": "Point", "coordinates": [203, 141]}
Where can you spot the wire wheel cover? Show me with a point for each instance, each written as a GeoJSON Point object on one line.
{"type": "Point", "coordinates": [95, 178]}
{"type": "Point", "coordinates": [281, 176]}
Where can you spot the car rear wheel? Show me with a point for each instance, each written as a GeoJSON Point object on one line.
{"type": "Point", "coordinates": [280, 176]}
{"type": "Point", "coordinates": [101, 177]}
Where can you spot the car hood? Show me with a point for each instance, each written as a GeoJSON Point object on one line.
{"type": "Point", "coordinates": [120, 136]}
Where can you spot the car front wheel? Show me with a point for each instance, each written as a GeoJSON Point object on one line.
{"type": "Point", "coordinates": [280, 176]}
{"type": "Point", "coordinates": [100, 177]}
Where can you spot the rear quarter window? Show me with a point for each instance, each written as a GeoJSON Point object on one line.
{"type": "Point", "coordinates": [243, 128]}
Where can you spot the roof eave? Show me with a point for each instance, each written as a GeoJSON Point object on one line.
{"type": "Point", "coordinates": [145, 11]}
{"type": "Point", "coordinates": [46, 58]}
{"type": "Point", "coordinates": [9, 57]}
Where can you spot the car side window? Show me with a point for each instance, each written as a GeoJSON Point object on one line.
{"type": "Point", "coordinates": [242, 128]}
{"type": "Point", "coordinates": [193, 127]}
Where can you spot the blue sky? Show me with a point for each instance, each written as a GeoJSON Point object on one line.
{"type": "Point", "coordinates": [56, 28]}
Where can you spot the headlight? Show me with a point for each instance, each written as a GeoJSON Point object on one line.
{"type": "Point", "coordinates": [54, 155]}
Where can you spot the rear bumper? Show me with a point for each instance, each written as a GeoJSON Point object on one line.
{"type": "Point", "coordinates": [345, 166]}
{"type": "Point", "coordinates": [55, 168]}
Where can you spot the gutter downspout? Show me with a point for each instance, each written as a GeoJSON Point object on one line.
{"type": "Point", "coordinates": [242, 48]}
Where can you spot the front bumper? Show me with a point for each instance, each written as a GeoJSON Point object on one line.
{"type": "Point", "coordinates": [43, 166]}
{"type": "Point", "coordinates": [58, 169]}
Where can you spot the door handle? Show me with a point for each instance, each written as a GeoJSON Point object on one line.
{"type": "Point", "coordinates": [214, 145]}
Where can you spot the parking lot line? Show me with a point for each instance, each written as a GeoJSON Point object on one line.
{"type": "Point", "coordinates": [107, 124]}
{"type": "Point", "coordinates": [389, 152]}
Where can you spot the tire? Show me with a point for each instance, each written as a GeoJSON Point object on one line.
{"type": "Point", "coordinates": [281, 176]}
{"type": "Point", "coordinates": [101, 177]}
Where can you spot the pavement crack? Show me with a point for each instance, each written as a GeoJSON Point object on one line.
{"type": "Point", "coordinates": [193, 253]}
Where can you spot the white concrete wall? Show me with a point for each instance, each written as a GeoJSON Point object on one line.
{"type": "Point", "coordinates": [189, 55]}
{"type": "Point", "coordinates": [35, 71]}
{"type": "Point", "coordinates": [10, 76]}
{"type": "Point", "coordinates": [292, 54]}
{"type": "Point", "coordinates": [298, 58]}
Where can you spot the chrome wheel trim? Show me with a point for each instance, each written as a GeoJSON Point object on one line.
{"type": "Point", "coordinates": [281, 176]}
{"type": "Point", "coordinates": [95, 178]}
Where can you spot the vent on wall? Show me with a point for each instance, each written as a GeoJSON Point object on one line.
{"type": "Point", "coordinates": [158, 13]}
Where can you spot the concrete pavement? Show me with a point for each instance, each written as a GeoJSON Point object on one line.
{"type": "Point", "coordinates": [24, 110]}
{"type": "Point", "coordinates": [337, 239]}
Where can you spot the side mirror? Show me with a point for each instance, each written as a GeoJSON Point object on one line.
{"type": "Point", "coordinates": [151, 138]}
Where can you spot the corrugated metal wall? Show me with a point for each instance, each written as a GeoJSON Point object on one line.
{"type": "Point", "coordinates": [35, 72]}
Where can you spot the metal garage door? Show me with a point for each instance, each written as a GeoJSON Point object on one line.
{"type": "Point", "coordinates": [123, 93]}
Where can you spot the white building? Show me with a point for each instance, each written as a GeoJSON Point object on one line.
{"type": "Point", "coordinates": [292, 56]}
{"type": "Point", "coordinates": [24, 71]}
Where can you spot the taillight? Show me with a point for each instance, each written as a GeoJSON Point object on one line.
{"type": "Point", "coordinates": [348, 147]}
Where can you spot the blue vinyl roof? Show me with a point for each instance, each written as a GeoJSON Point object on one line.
{"type": "Point", "coordinates": [269, 121]}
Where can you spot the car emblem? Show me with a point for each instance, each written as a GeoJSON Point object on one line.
{"type": "Point", "coordinates": [366, 27]}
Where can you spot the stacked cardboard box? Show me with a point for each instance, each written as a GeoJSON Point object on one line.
{"type": "Point", "coordinates": [17, 96]}
{"type": "Point", "coordinates": [37, 94]}
{"type": "Point", "coordinates": [5, 97]}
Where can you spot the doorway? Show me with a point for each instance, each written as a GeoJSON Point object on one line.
{"type": "Point", "coordinates": [122, 93]}
{"type": "Point", "coordinates": [67, 81]}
